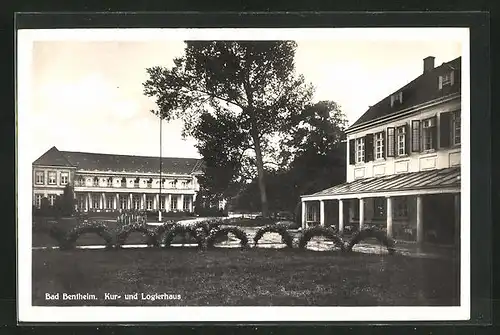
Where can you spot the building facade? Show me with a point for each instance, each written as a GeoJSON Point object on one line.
{"type": "Point", "coordinates": [108, 183]}
{"type": "Point", "coordinates": [404, 163]}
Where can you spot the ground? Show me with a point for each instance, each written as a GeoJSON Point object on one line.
{"type": "Point", "coordinates": [257, 276]}
{"type": "Point", "coordinates": [245, 277]}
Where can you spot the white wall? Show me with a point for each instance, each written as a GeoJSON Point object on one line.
{"type": "Point", "coordinates": [414, 162]}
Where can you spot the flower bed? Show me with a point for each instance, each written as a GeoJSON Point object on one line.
{"type": "Point", "coordinates": [315, 231]}
{"type": "Point", "coordinates": [216, 234]}
{"type": "Point", "coordinates": [275, 228]}
{"type": "Point", "coordinates": [372, 232]}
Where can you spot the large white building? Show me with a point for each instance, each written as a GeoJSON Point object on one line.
{"type": "Point", "coordinates": [404, 163]}
{"type": "Point", "coordinates": [106, 182]}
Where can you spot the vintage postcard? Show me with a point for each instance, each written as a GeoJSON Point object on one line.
{"type": "Point", "coordinates": [180, 175]}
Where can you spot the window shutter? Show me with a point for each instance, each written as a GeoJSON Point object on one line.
{"type": "Point", "coordinates": [390, 142]}
{"type": "Point", "coordinates": [369, 148]}
{"type": "Point", "coordinates": [352, 152]}
{"type": "Point", "coordinates": [440, 82]}
{"type": "Point", "coordinates": [452, 77]}
{"type": "Point", "coordinates": [384, 143]}
{"type": "Point", "coordinates": [415, 135]}
{"type": "Point", "coordinates": [434, 133]}
{"type": "Point", "coordinates": [407, 139]}
{"type": "Point", "coordinates": [445, 130]}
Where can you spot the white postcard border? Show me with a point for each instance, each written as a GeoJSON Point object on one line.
{"type": "Point", "coordinates": [29, 313]}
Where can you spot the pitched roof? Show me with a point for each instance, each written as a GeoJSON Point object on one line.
{"type": "Point", "coordinates": [53, 157]}
{"type": "Point", "coordinates": [120, 163]}
{"type": "Point", "coordinates": [433, 179]}
{"type": "Point", "coordinates": [422, 89]}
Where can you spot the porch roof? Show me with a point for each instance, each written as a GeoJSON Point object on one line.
{"type": "Point", "coordinates": [423, 182]}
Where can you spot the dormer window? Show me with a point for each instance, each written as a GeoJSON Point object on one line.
{"type": "Point", "coordinates": [446, 79]}
{"type": "Point", "coordinates": [396, 99]}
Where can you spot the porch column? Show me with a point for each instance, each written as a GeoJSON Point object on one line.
{"type": "Point", "coordinates": [169, 204]}
{"type": "Point", "coordinates": [361, 213]}
{"type": "Point", "coordinates": [143, 201]}
{"type": "Point", "coordinates": [156, 204]}
{"type": "Point", "coordinates": [89, 201]}
{"type": "Point", "coordinates": [389, 216]}
{"type": "Point", "coordinates": [104, 200]}
{"type": "Point", "coordinates": [303, 214]}
{"type": "Point", "coordinates": [341, 216]}
{"type": "Point", "coordinates": [130, 203]}
{"type": "Point", "coordinates": [116, 201]}
{"type": "Point", "coordinates": [322, 213]}
{"type": "Point", "coordinates": [420, 220]}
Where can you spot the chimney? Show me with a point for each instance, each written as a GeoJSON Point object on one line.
{"type": "Point", "coordinates": [428, 64]}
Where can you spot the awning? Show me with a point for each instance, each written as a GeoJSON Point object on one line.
{"type": "Point", "coordinates": [423, 182]}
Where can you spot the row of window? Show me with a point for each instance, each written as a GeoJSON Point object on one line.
{"type": "Point", "coordinates": [51, 178]}
{"type": "Point", "coordinates": [395, 141]}
{"type": "Point", "coordinates": [108, 182]}
{"type": "Point", "coordinates": [123, 202]}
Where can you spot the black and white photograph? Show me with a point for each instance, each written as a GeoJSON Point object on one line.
{"type": "Point", "coordinates": [312, 174]}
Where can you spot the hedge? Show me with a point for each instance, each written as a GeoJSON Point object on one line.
{"type": "Point", "coordinates": [275, 228]}
{"type": "Point", "coordinates": [372, 232]}
{"type": "Point", "coordinates": [329, 233]}
{"type": "Point", "coordinates": [215, 234]}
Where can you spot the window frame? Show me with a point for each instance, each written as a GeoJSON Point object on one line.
{"type": "Point", "coordinates": [401, 150]}
{"type": "Point", "coordinates": [62, 176]}
{"type": "Point", "coordinates": [38, 200]}
{"type": "Point", "coordinates": [379, 145]}
{"type": "Point", "coordinates": [454, 128]}
{"type": "Point", "coordinates": [123, 201]}
{"type": "Point", "coordinates": [110, 202]}
{"type": "Point", "coordinates": [173, 202]}
{"type": "Point", "coordinates": [52, 199]}
{"type": "Point", "coordinates": [96, 201]}
{"type": "Point", "coordinates": [37, 174]}
{"type": "Point", "coordinates": [186, 203]}
{"type": "Point", "coordinates": [55, 177]}
{"type": "Point", "coordinates": [360, 150]}
{"type": "Point", "coordinates": [149, 203]}
{"type": "Point", "coordinates": [427, 133]}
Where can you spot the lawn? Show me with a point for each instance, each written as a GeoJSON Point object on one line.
{"type": "Point", "coordinates": [254, 277]}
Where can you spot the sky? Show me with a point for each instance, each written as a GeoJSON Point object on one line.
{"type": "Point", "coordinates": [87, 95]}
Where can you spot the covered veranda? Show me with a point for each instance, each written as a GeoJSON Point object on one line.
{"type": "Point", "coordinates": [422, 204]}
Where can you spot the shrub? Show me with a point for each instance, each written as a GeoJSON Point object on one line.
{"type": "Point", "coordinates": [372, 232]}
{"type": "Point", "coordinates": [208, 225]}
{"type": "Point", "coordinates": [216, 234]}
{"type": "Point", "coordinates": [51, 229]}
{"type": "Point", "coordinates": [91, 227]}
{"type": "Point", "coordinates": [125, 231]}
{"type": "Point", "coordinates": [275, 228]}
{"type": "Point", "coordinates": [183, 229]}
{"type": "Point", "coordinates": [160, 230]}
{"type": "Point", "coordinates": [314, 231]}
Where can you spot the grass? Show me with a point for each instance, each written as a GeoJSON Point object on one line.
{"type": "Point", "coordinates": [262, 277]}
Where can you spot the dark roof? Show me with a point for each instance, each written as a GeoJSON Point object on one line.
{"type": "Point", "coordinates": [422, 89]}
{"type": "Point", "coordinates": [119, 163]}
{"type": "Point", "coordinates": [433, 179]}
{"type": "Point", "coordinates": [53, 157]}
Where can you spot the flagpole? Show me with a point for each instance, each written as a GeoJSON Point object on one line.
{"type": "Point", "coordinates": [159, 197]}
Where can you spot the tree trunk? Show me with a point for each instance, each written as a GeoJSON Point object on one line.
{"type": "Point", "coordinates": [260, 172]}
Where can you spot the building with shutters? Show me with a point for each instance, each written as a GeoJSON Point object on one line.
{"type": "Point", "coordinates": [404, 163]}
{"type": "Point", "coordinates": [108, 183]}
